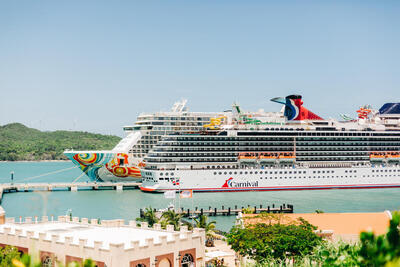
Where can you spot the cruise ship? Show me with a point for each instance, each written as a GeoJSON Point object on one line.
{"type": "Point", "coordinates": [125, 160]}
{"type": "Point", "coordinates": [303, 152]}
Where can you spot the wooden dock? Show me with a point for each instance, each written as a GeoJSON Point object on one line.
{"type": "Point", "coordinates": [29, 187]}
{"type": "Point", "coordinates": [228, 211]}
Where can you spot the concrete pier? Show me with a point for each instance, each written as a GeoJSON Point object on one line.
{"type": "Point", "coordinates": [74, 187]}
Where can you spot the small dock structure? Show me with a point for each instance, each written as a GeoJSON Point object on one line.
{"type": "Point", "coordinates": [228, 211]}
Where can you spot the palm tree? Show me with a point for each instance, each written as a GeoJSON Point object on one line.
{"type": "Point", "coordinates": [201, 222]}
{"type": "Point", "coordinates": [172, 218]}
{"type": "Point", "coordinates": [149, 216]}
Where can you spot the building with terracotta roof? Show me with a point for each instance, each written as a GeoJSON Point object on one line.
{"type": "Point", "coordinates": [336, 226]}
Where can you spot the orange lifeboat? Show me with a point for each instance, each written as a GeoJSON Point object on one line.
{"type": "Point", "coordinates": [287, 157]}
{"type": "Point", "coordinates": [247, 157]}
{"type": "Point", "coordinates": [268, 157]}
{"type": "Point", "coordinates": [377, 156]}
{"type": "Point", "coordinates": [393, 156]}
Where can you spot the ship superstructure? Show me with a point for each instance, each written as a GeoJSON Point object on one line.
{"type": "Point", "coordinates": [304, 152]}
{"type": "Point", "coordinates": [124, 161]}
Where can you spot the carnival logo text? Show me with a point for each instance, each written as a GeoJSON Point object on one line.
{"type": "Point", "coordinates": [230, 183]}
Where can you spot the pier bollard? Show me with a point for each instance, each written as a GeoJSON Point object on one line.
{"type": "Point", "coordinates": [141, 213]}
{"type": "Point", "coordinates": [229, 211]}
{"type": "Point", "coordinates": [209, 207]}
{"type": "Point", "coordinates": [235, 207]}
{"type": "Point", "coordinates": [268, 209]}
{"type": "Point", "coordinates": [273, 205]}
{"type": "Point", "coordinates": [222, 207]}
{"type": "Point", "coordinates": [201, 211]}
{"type": "Point", "coordinates": [284, 206]}
{"type": "Point", "coordinates": [188, 212]}
{"type": "Point", "coordinates": [215, 211]}
{"type": "Point", "coordinates": [260, 206]}
{"type": "Point", "coordinates": [255, 209]}
{"type": "Point", "coordinates": [280, 208]}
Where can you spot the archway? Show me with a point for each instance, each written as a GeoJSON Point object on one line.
{"type": "Point", "coordinates": [164, 263]}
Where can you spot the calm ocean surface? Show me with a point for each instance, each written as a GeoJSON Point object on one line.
{"type": "Point", "coordinates": [112, 204]}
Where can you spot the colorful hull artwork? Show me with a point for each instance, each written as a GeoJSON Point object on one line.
{"type": "Point", "coordinates": [105, 166]}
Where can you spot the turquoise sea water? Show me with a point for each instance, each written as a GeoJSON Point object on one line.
{"type": "Point", "coordinates": [111, 204]}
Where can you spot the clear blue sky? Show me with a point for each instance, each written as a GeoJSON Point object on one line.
{"type": "Point", "coordinates": [95, 65]}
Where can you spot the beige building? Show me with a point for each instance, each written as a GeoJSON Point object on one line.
{"type": "Point", "coordinates": [108, 243]}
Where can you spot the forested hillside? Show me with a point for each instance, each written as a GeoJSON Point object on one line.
{"type": "Point", "coordinates": [18, 142]}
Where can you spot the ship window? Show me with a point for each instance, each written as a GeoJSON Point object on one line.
{"type": "Point", "coordinates": [161, 179]}
{"type": "Point", "coordinates": [225, 172]}
{"type": "Point", "coordinates": [161, 174]}
{"type": "Point", "coordinates": [240, 172]}
{"type": "Point", "coordinates": [215, 173]}
{"type": "Point", "coordinates": [220, 173]}
{"type": "Point", "coordinates": [230, 173]}
{"type": "Point", "coordinates": [255, 172]}
{"type": "Point", "coordinates": [235, 173]}
{"type": "Point", "coordinates": [245, 172]}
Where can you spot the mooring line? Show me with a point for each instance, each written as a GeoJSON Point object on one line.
{"type": "Point", "coordinates": [45, 174]}
{"type": "Point", "coordinates": [78, 177]}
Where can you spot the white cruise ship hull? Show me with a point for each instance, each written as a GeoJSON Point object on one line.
{"type": "Point", "coordinates": [230, 180]}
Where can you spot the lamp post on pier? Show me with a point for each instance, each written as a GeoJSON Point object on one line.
{"type": "Point", "coordinates": [12, 177]}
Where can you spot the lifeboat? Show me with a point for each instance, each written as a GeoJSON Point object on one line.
{"type": "Point", "coordinates": [247, 158]}
{"type": "Point", "coordinates": [287, 157]}
{"type": "Point", "coordinates": [377, 156]}
{"type": "Point", "coordinates": [268, 158]}
{"type": "Point", "coordinates": [393, 156]}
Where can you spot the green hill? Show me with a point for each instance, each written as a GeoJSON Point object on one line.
{"type": "Point", "coordinates": [18, 142]}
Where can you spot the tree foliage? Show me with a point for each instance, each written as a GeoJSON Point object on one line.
{"type": "Point", "coordinates": [7, 254]}
{"type": "Point", "coordinates": [263, 241]}
{"type": "Point", "coordinates": [202, 222]}
{"type": "Point", "coordinates": [18, 142]}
